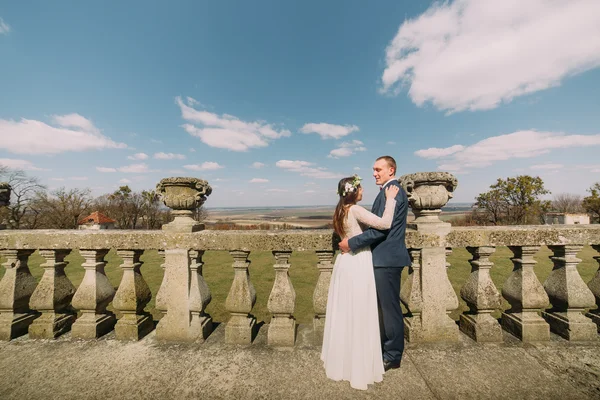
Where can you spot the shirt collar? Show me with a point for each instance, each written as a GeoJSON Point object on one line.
{"type": "Point", "coordinates": [388, 182]}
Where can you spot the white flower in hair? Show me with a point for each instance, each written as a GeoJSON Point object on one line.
{"type": "Point", "coordinates": [350, 187]}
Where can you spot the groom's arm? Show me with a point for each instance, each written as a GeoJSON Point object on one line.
{"type": "Point", "coordinates": [366, 238]}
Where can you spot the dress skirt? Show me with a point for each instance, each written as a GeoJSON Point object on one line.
{"type": "Point", "coordinates": [351, 342]}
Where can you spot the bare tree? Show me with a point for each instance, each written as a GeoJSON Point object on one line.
{"type": "Point", "coordinates": [567, 203]}
{"type": "Point", "coordinates": [20, 214]}
{"type": "Point", "coordinates": [62, 208]}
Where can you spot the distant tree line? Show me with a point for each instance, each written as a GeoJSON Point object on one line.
{"type": "Point", "coordinates": [33, 206]}
{"type": "Point", "coordinates": [518, 201]}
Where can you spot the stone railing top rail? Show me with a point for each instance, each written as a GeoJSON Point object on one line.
{"type": "Point", "coordinates": [300, 240]}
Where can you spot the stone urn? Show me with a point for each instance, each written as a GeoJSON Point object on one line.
{"type": "Point", "coordinates": [5, 191]}
{"type": "Point", "coordinates": [427, 193]}
{"type": "Point", "coordinates": [183, 196]}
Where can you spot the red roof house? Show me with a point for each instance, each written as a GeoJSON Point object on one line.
{"type": "Point", "coordinates": [96, 220]}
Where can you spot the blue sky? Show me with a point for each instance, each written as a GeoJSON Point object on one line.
{"type": "Point", "coordinates": [272, 102]}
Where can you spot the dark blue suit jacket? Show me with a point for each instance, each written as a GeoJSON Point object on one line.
{"type": "Point", "coordinates": [388, 246]}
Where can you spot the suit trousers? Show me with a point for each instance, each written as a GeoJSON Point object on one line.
{"type": "Point", "coordinates": [387, 283]}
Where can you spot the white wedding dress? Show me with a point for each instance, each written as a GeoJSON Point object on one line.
{"type": "Point", "coordinates": [351, 342]}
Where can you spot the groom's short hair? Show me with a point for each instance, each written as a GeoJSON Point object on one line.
{"type": "Point", "coordinates": [390, 161]}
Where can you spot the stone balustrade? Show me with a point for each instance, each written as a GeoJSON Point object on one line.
{"type": "Point", "coordinates": [563, 304]}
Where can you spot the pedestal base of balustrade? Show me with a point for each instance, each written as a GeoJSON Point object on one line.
{"type": "Point", "coordinates": [201, 327]}
{"type": "Point", "coordinates": [595, 317]}
{"type": "Point", "coordinates": [415, 331]}
{"type": "Point", "coordinates": [13, 325]}
{"type": "Point", "coordinates": [133, 326]}
{"type": "Point", "coordinates": [182, 224]}
{"type": "Point", "coordinates": [572, 325]}
{"type": "Point", "coordinates": [318, 330]}
{"type": "Point", "coordinates": [239, 329]}
{"type": "Point", "coordinates": [51, 325]}
{"type": "Point", "coordinates": [93, 326]}
{"type": "Point", "coordinates": [481, 327]}
{"type": "Point", "coordinates": [529, 327]}
{"type": "Point", "coordinates": [282, 332]}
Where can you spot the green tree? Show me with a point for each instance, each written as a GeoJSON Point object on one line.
{"type": "Point", "coordinates": [591, 203]}
{"type": "Point", "coordinates": [514, 201]}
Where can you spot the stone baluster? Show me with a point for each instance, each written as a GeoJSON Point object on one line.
{"type": "Point", "coordinates": [132, 296]}
{"type": "Point", "coordinates": [201, 323]}
{"type": "Point", "coordinates": [240, 300]}
{"type": "Point", "coordinates": [52, 298]}
{"type": "Point", "coordinates": [161, 298]}
{"type": "Point", "coordinates": [92, 298]}
{"type": "Point", "coordinates": [451, 298]}
{"type": "Point", "coordinates": [325, 266]}
{"type": "Point", "coordinates": [410, 295]}
{"type": "Point", "coordinates": [594, 286]}
{"type": "Point", "coordinates": [482, 297]}
{"type": "Point", "coordinates": [527, 298]}
{"type": "Point", "coordinates": [281, 304]}
{"type": "Point", "coordinates": [569, 296]}
{"type": "Point", "coordinates": [175, 325]}
{"type": "Point", "coordinates": [16, 288]}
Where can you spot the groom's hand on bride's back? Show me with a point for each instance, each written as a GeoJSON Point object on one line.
{"type": "Point", "coordinates": [344, 248]}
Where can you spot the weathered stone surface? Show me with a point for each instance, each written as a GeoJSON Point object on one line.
{"type": "Point", "coordinates": [594, 286]}
{"type": "Point", "coordinates": [569, 296]}
{"type": "Point", "coordinates": [427, 193]}
{"type": "Point", "coordinates": [411, 296]}
{"type": "Point", "coordinates": [281, 304]}
{"type": "Point", "coordinates": [240, 300]}
{"type": "Point", "coordinates": [183, 195]}
{"type": "Point", "coordinates": [201, 324]}
{"type": "Point", "coordinates": [16, 288]}
{"type": "Point", "coordinates": [527, 298]}
{"type": "Point", "coordinates": [132, 296]}
{"type": "Point", "coordinates": [52, 297]}
{"type": "Point", "coordinates": [482, 297]}
{"type": "Point", "coordinates": [161, 296]}
{"type": "Point", "coordinates": [325, 266]}
{"type": "Point", "coordinates": [92, 298]}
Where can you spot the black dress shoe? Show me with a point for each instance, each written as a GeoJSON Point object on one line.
{"type": "Point", "coordinates": [390, 364]}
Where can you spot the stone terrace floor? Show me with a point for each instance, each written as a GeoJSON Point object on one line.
{"type": "Point", "coordinates": [109, 369]}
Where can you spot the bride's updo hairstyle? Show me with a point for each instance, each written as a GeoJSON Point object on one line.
{"type": "Point", "coordinates": [348, 192]}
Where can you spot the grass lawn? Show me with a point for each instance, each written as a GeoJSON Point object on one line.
{"type": "Point", "coordinates": [303, 272]}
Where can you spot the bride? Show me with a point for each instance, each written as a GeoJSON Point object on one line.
{"type": "Point", "coordinates": [351, 342]}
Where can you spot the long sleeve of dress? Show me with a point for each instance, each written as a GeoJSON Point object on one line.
{"type": "Point", "coordinates": [372, 220]}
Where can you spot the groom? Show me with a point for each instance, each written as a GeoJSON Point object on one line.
{"type": "Point", "coordinates": [389, 257]}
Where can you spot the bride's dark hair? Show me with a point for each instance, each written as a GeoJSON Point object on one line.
{"type": "Point", "coordinates": [347, 198]}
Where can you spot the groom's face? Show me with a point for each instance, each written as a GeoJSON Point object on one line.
{"type": "Point", "coordinates": [382, 172]}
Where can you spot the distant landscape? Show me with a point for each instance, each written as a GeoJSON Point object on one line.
{"type": "Point", "coordinates": [297, 217]}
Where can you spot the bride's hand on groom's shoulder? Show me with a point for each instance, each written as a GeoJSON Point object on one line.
{"type": "Point", "coordinates": [391, 191]}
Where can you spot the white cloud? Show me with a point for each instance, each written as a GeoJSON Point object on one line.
{"type": "Point", "coordinates": [546, 166]}
{"type": "Point", "coordinates": [520, 144]}
{"type": "Point", "coordinates": [19, 164]}
{"type": "Point", "coordinates": [138, 156]}
{"type": "Point", "coordinates": [306, 168]}
{"type": "Point", "coordinates": [106, 169]}
{"type": "Point", "coordinates": [78, 178]}
{"type": "Point", "coordinates": [257, 165]}
{"type": "Point", "coordinates": [205, 166]}
{"type": "Point", "coordinates": [226, 131]}
{"type": "Point", "coordinates": [168, 156]}
{"type": "Point", "coordinates": [156, 141]}
{"type": "Point", "coordinates": [258, 180]}
{"type": "Point", "coordinates": [278, 190]}
{"type": "Point", "coordinates": [124, 180]}
{"type": "Point", "coordinates": [329, 131]}
{"type": "Point", "coordinates": [4, 27]}
{"type": "Point", "coordinates": [309, 191]}
{"type": "Point", "coordinates": [71, 133]}
{"type": "Point", "coordinates": [347, 149]}
{"type": "Point", "coordinates": [391, 143]}
{"type": "Point", "coordinates": [135, 168]}
{"type": "Point", "coordinates": [434, 152]}
{"type": "Point", "coordinates": [57, 179]}
{"type": "Point", "coordinates": [357, 168]}
{"type": "Point", "coordinates": [192, 150]}
{"type": "Point", "coordinates": [475, 54]}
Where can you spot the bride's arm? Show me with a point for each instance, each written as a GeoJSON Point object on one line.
{"type": "Point", "coordinates": [372, 220]}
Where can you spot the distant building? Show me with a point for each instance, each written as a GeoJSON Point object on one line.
{"type": "Point", "coordinates": [97, 220]}
{"type": "Point", "coordinates": [566, 219]}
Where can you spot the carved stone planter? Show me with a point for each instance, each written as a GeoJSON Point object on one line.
{"type": "Point", "coordinates": [427, 193]}
{"type": "Point", "coordinates": [183, 195]}
{"type": "Point", "coordinates": [5, 190]}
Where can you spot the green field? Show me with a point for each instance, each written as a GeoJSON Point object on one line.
{"type": "Point", "coordinates": [303, 272]}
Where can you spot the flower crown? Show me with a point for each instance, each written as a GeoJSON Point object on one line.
{"type": "Point", "coordinates": [350, 187]}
